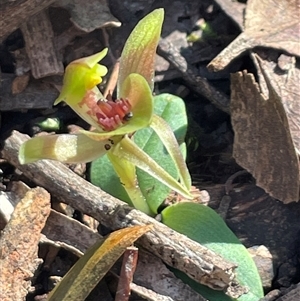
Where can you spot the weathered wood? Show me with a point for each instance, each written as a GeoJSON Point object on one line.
{"type": "Point", "coordinates": [38, 36]}
{"type": "Point", "coordinates": [292, 295]}
{"type": "Point", "coordinates": [19, 244]}
{"type": "Point", "coordinates": [37, 95]}
{"type": "Point", "coordinates": [14, 13]}
{"type": "Point", "coordinates": [173, 248]}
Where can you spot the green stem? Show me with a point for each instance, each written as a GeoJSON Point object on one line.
{"type": "Point", "coordinates": [127, 173]}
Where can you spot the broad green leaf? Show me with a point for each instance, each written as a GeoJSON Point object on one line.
{"type": "Point", "coordinates": [172, 109]}
{"type": "Point", "coordinates": [138, 55]}
{"type": "Point", "coordinates": [127, 174]}
{"type": "Point", "coordinates": [129, 151]}
{"type": "Point", "coordinates": [94, 264]}
{"type": "Point", "coordinates": [205, 226]}
{"type": "Point", "coordinates": [64, 148]}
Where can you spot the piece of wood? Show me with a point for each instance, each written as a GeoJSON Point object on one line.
{"type": "Point", "coordinates": [38, 36]}
{"type": "Point", "coordinates": [292, 295]}
{"type": "Point", "coordinates": [190, 75]}
{"type": "Point", "coordinates": [173, 248]}
{"type": "Point", "coordinates": [19, 244]}
{"type": "Point", "coordinates": [14, 13]}
{"type": "Point", "coordinates": [37, 95]}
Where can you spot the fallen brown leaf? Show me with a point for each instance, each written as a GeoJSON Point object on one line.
{"type": "Point", "coordinates": [94, 264]}
{"type": "Point", "coordinates": [284, 77]}
{"type": "Point", "coordinates": [263, 144]}
{"type": "Point", "coordinates": [89, 15]}
{"type": "Point", "coordinates": [268, 23]}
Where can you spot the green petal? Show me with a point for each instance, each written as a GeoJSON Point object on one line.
{"type": "Point", "coordinates": [166, 135]}
{"type": "Point", "coordinates": [92, 60]}
{"type": "Point", "coordinates": [138, 55]}
{"type": "Point", "coordinates": [129, 151]}
{"type": "Point", "coordinates": [137, 91]}
{"type": "Point", "coordinates": [127, 174]}
{"type": "Point", "coordinates": [64, 148]}
{"type": "Point", "coordinates": [81, 75]}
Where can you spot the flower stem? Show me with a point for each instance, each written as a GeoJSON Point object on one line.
{"type": "Point", "coordinates": [127, 173]}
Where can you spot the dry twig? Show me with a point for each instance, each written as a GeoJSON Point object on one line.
{"type": "Point", "coordinates": [130, 258]}
{"type": "Point", "coordinates": [189, 74]}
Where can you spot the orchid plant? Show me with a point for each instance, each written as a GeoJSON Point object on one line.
{"type": "Point", "coordinates": [115, 121]}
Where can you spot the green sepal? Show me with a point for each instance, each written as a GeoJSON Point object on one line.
{"type": "Point", "coordinates": [129, 151]}
{"type": "Point", "coordinates": [64, 148]}
{"type": "Point", "coordinates": [138, 55]}
{"type": "Point", "coordinates": [166, 135]}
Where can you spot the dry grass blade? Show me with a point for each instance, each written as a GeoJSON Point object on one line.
{"type": "Point", "coordinates": [92, 267]}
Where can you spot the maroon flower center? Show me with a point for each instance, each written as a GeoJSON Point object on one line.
{"type": "Point", "coordinates": [109, 114]}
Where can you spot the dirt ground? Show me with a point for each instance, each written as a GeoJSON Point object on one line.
{"type": "Point", "coordinates": [251, 176]}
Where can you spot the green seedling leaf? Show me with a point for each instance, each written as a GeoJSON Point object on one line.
{"type": "Point", "coordinates": [205, 226]}
{"type": "Point", "coordinates": [49, 124]}
{"type": "Point", "coordinates": [138, 55]}
{"type": "Point", "coordinates": [94, 264]}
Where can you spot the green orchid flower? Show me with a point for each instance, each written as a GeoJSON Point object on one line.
{"type": "Point", "coordinates": [115, 121]}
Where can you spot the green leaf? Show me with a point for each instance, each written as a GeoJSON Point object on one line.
{"type": "Point", "coordinates": [64, 148]}
{"type": "Point", "coordinates": [49, 124]}
{"type": "Point", "coordinates": [172, 109]}
{"type": "Point", "coordinates": [94, 264]}
{"type": "Point", "coordinates": [138, 55]}
{"type": "Point", "coordinates": [205, 226]}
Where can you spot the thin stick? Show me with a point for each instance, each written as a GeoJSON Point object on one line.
{"type": "Point", "coordinates": [129, 263]}
{"type": "Point", "coordinates": [112, 82]}
{"type": "Point", "coordinates": [189, 74]}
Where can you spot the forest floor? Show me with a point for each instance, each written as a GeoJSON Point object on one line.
{"type": "Point", "coordinates": [242, 152]}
